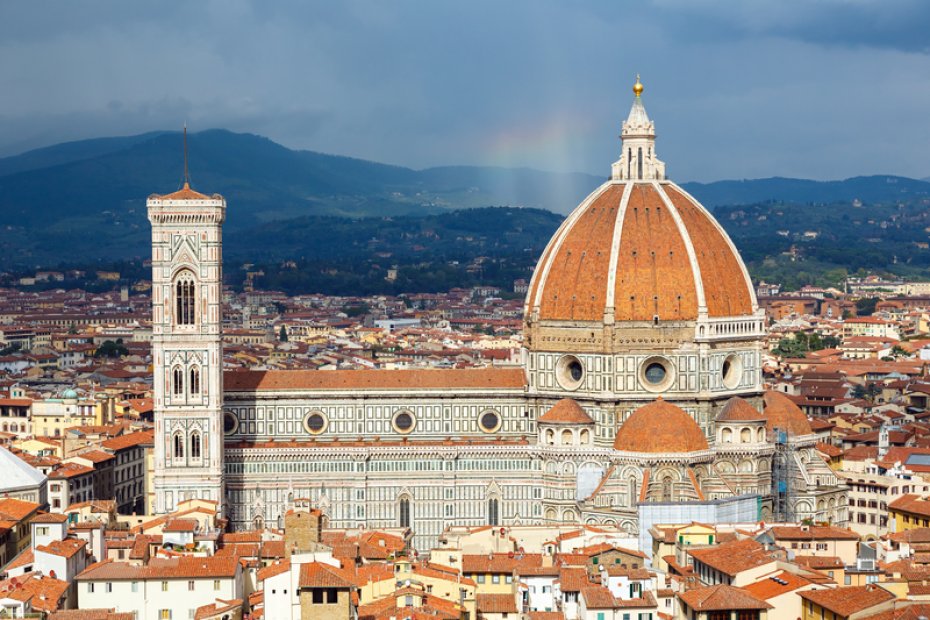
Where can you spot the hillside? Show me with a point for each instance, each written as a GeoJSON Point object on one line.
{"type": "Point", "coordinates": [85, 201]}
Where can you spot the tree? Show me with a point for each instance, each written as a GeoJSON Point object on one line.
{"type": "Point", "coordinates": [111, 349]}
{"type": "Point", "coordinates": [282, 335]}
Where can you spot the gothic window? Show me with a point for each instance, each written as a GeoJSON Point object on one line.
{"type": "Point", "coordinates": [178, 446]}
{"type": "Point", "coordinates": [195, 445]}
{"type": "Point", "coordinates": [177, 381]}
{"type": "Point", "coordinates": [185, 298]}
{"type": "Point", "coordinates": [405, 512]}
{"type": "Point", "coordinates": [194, 385]}
{"type": "Point", "coordinates": [493, 511]}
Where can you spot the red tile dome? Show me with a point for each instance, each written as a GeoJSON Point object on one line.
{"type": "Point", "coordinates": [781, 413]}
{"type": "Point", "coordinates": [739, 410]}
{"type": "Point", "coordinates": [566, 411]}
{"type": "Point", "coordinates": [639, 250]}
{"type": "Point", "coordinates": [660, 427]}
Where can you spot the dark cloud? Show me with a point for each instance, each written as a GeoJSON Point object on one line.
{"type": "Point", "coordinates": [738, 89]}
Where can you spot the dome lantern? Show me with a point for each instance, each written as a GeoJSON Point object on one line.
{"type": "Point", "coordinates": [638, 161]}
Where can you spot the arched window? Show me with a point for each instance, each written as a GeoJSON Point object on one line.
{"type": "Point", "coordinates": [493, 511]}
{"type": "Point", "coordinates": [194, 384]}
{"type": "Point", "coordinates": [745, 436]}
{"type": "Point", "coordinates": [567, 438]}
{"type": "Point", "coordinates": [629, 162]}
{"type": "Point", "coordinates": [726, 435]}
{"type": "Point", "coordinates": [405, 512]}
{"type": "Point", "coordinates": [178, 446]}
{"type": "Point", "coordinates": [195, 445]}
{"type": "Point", "coordinates": [585, 437]}
{"type": "Point", "coordinates": [760, 435]}
{"type": "Point", "coordinates": [631, 491]}
{"type": "Point", "coordinates": [550, 437]}
{"type": "Point", "coordinates": [639, 161]}
{"type": "Point", "coordinates": [177, 381]}
{"type": "Point", "coordinates": [185, 299]}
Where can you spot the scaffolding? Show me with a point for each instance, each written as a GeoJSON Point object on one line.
{"type": "Point", "coordinates": [782, 479]}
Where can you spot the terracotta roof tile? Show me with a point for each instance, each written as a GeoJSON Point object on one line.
{"type": "Point", "coordinates": [721, 598]}
{"type": "Point", "coordinates": [734, 557]}
{"type": "Point", "coordinates": [726, 291]}
{"type": "Point", "coordinates": [781, 413]}
{"type": "Point", "coordinates": [566, 411]}
{"type": "Point", "coordinates": [470, 378]}
{"type": "Point", "coordinates": [654, 273]}
{"type": "Point", "coordinates": [847, 601]}
{"type": "Point", "coordinates": [739, 410]}
{"type": "Point", "coordinates": [319, 575]}
{"type": "Point", "coordinates": [659, 427]}
{"type": "Point", "coordinates": [496, 603]}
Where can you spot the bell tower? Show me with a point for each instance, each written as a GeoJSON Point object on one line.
{"type": "Point", "coordinates": [187, 346]}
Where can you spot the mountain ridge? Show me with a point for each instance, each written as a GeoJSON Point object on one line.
{"type": "Point", "coordinates": [88, 197]}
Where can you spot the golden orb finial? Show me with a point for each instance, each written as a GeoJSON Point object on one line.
{"type": "Point", "coordinates": [638, 87]}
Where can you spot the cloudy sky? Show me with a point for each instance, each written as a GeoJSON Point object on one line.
{"type": "Point", "coordinates": [818, 89]}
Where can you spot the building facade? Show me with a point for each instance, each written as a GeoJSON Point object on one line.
{"type": "Point", "coordinates": [640, 382]}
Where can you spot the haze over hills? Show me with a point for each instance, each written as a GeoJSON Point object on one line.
{"type": "Point", "coordinates": [86, 199]}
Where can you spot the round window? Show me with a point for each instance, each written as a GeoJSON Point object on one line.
{"type": "Point", "coordinates": [575, 371]}
{"type": "Point", "coordinates": [731, 372]}
{"type": "Point", "coordinates": [315, 422]}
{"type": "Point", "coordinates": [655, 373]}
{"type": "Point", "coordinates": [570, 372]}
{"type": "Point", "coordinates": [230, 423]}
{"type": "Point", "coordinates": [403, 422]}
{"type": "Point", "coordinates": [489, 421]}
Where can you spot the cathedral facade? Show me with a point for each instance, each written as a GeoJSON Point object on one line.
{"type": "Point", "coordinates": [641, 383]}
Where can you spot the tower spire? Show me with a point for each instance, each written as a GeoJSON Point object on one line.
{"type": "Point", "coordinates": [638, 161]}
{"type": "Point", "coordinates": [187, 176]}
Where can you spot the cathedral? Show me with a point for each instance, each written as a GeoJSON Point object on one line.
{"type": "Point", "coordinates": [640, 387]}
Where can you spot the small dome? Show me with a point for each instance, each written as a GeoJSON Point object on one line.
{"type": "Point", "coordinates": [70, 394]}
{"type": "Point", "coordinates": [738, 410]}
{"type": "Point", "coordinates": [660, 427]}
{"type": "Point", "coordinates": [566, 411]}
{"type": "Point", "coordinates": [781, 413]}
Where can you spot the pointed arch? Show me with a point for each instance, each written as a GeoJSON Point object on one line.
{"type": "Point", "coordinates": [494, 511]}
{"type": "Point", "coordinates": [193, 383]}
{"type": "Point", "coordinates": [185, 298]}
{"type": "Point", "coordinates": [177, 381]}
{"type": "Point", "coordinates": [404, 510]}
{"type": "Point", "coordinates": [178, 441]}
{"type": "Point", "coordinates": [195, 451]}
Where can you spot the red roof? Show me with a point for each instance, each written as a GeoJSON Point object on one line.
{"type": "Point", "coordinates": [566, 411]}
{"type": "Point", "coordinates": [469, 378]}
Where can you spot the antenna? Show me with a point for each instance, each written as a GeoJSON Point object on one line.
{"type": "Point", "coordinates": [187, 176]}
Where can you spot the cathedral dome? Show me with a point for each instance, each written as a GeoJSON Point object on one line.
{"type": "Point", "coordinates": [739, 410]}
{"type": "Point", "coordinates": [566, 411]}
{"type": "Point", "coordinates": [660, 427]}
{"type": "Point", "coordinates": [639, 249]}
{"type": "Point", "coordinates": [781, 413]}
